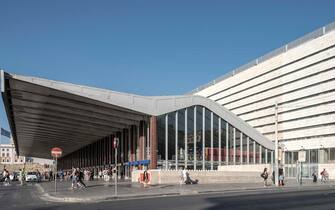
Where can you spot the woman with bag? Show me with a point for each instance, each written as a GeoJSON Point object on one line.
{"type": "Point", "coordinates": [265, 176]}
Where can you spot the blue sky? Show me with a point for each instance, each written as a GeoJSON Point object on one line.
{"type": "Point", "coordinates": [147, 47]}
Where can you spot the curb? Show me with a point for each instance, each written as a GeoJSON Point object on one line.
{"type": "Point", "coordinates": [47, 197]}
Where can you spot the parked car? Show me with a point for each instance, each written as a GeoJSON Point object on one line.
{"type": "Point", "coordinates": [32, 177]}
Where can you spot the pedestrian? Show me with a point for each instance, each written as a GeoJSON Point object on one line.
{"type": "Point", "coordinates": [324, 176]}
{"type": "Point", "coordinates": [183, 176]}
{"type": "Point", "coordinates": [145, 178]}
{"type": "Point", "coordinates": [5, 175]}
{"type": "Point", "coordinates": [50, 175]}
{"type": "Point", "coordinates": [315, 177]}
{"type": "Point", "coordinates": [100, 174]}
{"type": "Point", "coordinates": [265, 176]}
{"type": "Point", "coordinates": [73, 178]}
{"type": "Point", "coordinates": [80, 178]}
{"type": "Point", "coordinates": [281, 176]}
{"type": "Point", "coordinates": [21, 176]}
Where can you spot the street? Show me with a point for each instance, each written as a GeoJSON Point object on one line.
{"type": "Point", "coordinates": [27, 197]}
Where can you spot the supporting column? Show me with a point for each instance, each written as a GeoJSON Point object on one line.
{"type": "Point", "coordinates": [203, 137]}
{"type": "Point", "coordinates": [138, 142]}
{"type": "Point", "coordinates": [195, 138]}
{"type": "Point", "coordinates": [141, 141]}
{"type": "Point", "coordinates": [186, 150]}
{"type": "Point", "coordinates": [148, 141]}
{"type": "Point", "coordinates": [248, 148]}
{"type": "Point", "coordinates": [227, 143]}
{"type": "Point", "coordinates": [176, 139]}
{"type": "Point", "coordinates": [212, 135]}
{"type": "Point", "coordinates": [260, 153]}
{"type": "Point", "coordinates": [166, 141]}
{"type": "Point", "coordinates": [241, 148]}
{"type": "Point", "coordinates": [219, 140]}
{"type": "Point", "coordinates": [153, 142]}
{"type": "Point", "coordinates": [234, 146]}
{"type": "Point", "coordinates": [254, 149]}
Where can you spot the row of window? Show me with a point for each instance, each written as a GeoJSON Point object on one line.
{"type": "Point", "coordinates": [197, 138]}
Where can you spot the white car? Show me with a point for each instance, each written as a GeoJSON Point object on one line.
{"type": "Point", "coordinates": [32, 177]}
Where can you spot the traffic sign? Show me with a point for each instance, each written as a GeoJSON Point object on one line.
{"type": "Point", "coordinates": [56, 152]}
{"type": "Point", "coordinates": [302, 156]}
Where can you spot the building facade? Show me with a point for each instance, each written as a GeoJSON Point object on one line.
{"type": "Point", "coordinates": [161, 132]}
{"type": "Point", "coordinates": [8, 155]}
{"type": "Point", "coordinates": [300, 78]}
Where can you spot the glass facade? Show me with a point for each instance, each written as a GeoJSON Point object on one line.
{"type": "Point", "coordinates": [205, 140]}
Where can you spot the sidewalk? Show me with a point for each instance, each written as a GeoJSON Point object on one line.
{"type": "Point", "coordinates": [102, 191]}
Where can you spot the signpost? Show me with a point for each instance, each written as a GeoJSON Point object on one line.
{"type": "Point", "coordinates": [56, 152]}
{"type": "Point", "coordinates": [115, 146]}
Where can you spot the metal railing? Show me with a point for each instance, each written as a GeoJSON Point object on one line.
{"type": "Point", "coordinates": [308, 37]}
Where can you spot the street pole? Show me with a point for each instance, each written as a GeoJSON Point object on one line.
{"type": "Point", "coordinates": [55, 175]}
{"type": "Point", "coordinates": [276, 145]}
{"type": "Point", "coordinates": [115, 172]}
{"type": "Point", "coordinates": [300, 173]}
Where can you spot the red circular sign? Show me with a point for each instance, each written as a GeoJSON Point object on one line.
{"type": "Point", "coordinates": [56, 152]}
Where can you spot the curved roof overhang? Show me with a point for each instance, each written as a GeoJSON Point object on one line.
{"type": "Point", "coordinates": [45, 113]}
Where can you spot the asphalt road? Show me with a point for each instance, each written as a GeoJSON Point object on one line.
{"type": "Point", "coordinates": [27, 198]}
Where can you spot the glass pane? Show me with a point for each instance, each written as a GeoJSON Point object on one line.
{"type": "Point", "coordinates": [199, 137]}
{"type": "Point", "coordinates": [230, 143]}
{"type": "Point", "coordinates": [215, 140]}
{"type": "Point", "coordinates": [172, 139]}
{"type": "Point", "coordinates": [244, 149]}
{"type": "Point", "coordinates": [238, 145]}
{"type": "Point", "coordinates": [223, 141]}
{"type": "Point", "coordinates": [257, 153]}
{"type": "Point", "coordinates": [161, 139]}
{"type": "Point", "coordinates": [181, 137]}
{"type": "Point", "coordinates": [190, 137]}
{"type": "Point", "coordinates": [207, 138]}
{"type": "Point", "coordinates": [251, 151]}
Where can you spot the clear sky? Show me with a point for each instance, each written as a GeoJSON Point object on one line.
{"type": "Point", "coordinates": [148, 47]}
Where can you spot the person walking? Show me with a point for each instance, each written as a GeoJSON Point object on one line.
{"type": "Point", "coordinates": [21, 176]}
{"type": "Point", "coordinates": [265, 176]}
{"type": "Point", "coordinates": [183, 176]}
{"type": "Point", "coordinates": [5, 175]}
{"type": "Point", "coordinates": [315, 177]}
{"type": "Point", "coordinates": [281, 176]}
{"type": "Point", "coordinates": [73, 178]}
{"type": "Point", "coordinates": [80, 175]}
{"type": "Point", "coordinates": [324, 176]}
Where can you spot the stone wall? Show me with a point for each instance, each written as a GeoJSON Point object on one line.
{"type": "Point", "coordinates": [246, 168]}
{"type": "Point", "coordinates": [174, 176]}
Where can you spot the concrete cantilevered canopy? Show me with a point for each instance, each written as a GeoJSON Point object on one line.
{"type": "Point", "coordinates": [44, 113]}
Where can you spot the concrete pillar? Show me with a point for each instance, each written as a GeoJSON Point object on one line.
{"type": "Point", "coordinates": [153, 142]}
{"type": "Point", "coordinates": [141, 141]}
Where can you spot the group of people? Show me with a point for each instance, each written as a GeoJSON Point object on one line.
{"type": "Point", "coordinates": [106, 174]}
{"type": "Point", "coordinates": [265, 175]}
{"type": "Point", "coordinates": [186, 179]}
{"type": "Point", "coordinates": [77, 177]}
